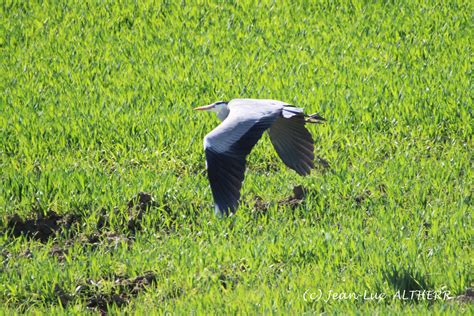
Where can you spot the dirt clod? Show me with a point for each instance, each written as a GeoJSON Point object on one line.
{"type": "Point", "coordinates": [120, 293]}
{"type": "Point", "coordinates": [228, 281]}
{"type": "Point", "coordinates": [362, 197]}
{"type": "Point", "coordinates": [27, 254]}
{"type": "Point", "coordinates": [100, 302]}
{"type": "Point", "coordinates": [109, 239]}
{"type": "Point", "coordinates": [64, 298]}
{"type": "Point", "coordinates": [103, 220]}
{"type": "Point", "coordinates": [299, 193]}
{"type": "Point", "coordinates": [58, 252]}
{"type": "Point", "coordinates": [467, 297]}
{"type": "Point", "coordinates": [260, 204]}
{"type": "Point", "coordinates": [137, 207]}
{"type": "Point", "coordinates": [137, 284]}
{"type": "Point", "coordinates": [42, 227]}
{"type": "Point", "coordinates": [142, 200]}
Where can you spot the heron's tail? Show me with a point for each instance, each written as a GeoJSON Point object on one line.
{"type": "Point", "coordinates": [289, 112]}
{"type": "Point", "coordinates": [315, 118]}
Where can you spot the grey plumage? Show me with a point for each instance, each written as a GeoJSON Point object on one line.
{"type": "Point", "coordinates": [293, 143]}
{"type": "Point", "coordinates": [244, 122]}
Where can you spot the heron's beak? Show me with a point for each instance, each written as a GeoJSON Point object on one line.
{"type": "Point", "coordinates": [205, 107]}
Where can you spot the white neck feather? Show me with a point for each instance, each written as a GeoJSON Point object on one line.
{"type": "Point", "coordinates": [221, 110]}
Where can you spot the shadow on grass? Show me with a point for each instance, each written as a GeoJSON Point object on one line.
{"type": "Point", "coordinates": [408, 285]}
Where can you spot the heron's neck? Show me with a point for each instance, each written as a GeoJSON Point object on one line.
{"type": "Point", "coordinates": [222, 112]}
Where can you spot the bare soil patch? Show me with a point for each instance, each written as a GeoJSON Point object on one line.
{"type": "Point", "coordinates": [98, 296]}
{"type": "Point", "coordinates": [299, 194]}
{"type": "Point", "coordinates": [40, 227]}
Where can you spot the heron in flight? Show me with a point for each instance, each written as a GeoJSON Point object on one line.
{"type": "Point", "coordinates": [243, 123]}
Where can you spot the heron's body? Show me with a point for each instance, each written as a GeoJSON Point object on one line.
{"type": "Point", "coordinates": [243, 123]}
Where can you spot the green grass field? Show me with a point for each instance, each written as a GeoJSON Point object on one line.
{"type": "Point", "coordinates": [96, 106]}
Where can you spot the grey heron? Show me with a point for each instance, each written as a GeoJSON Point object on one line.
{"type": "Point", "coordinates": [243, 123]}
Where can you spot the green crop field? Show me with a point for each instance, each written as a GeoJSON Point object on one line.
{"type": "Point", "coordinates": [105, 205]}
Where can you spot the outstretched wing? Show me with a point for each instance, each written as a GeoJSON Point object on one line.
{"type": "Point", "coordinates": [227, 147]}
{"type": "Point", "coordinates": [292, 141]}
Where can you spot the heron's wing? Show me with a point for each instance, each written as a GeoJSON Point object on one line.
{"type": "Point", "coordinates": [227, 147]}
{"type": "Point", "coordinates": [293, 142]}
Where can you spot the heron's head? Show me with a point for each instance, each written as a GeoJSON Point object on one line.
{"type": "Point", "coordinates": [219, 107]}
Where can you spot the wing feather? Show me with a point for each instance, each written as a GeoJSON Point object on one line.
{"type": "Point", "coordinates": [293, 143]}
{"type": "Point", "coordinates": [227, 147]}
